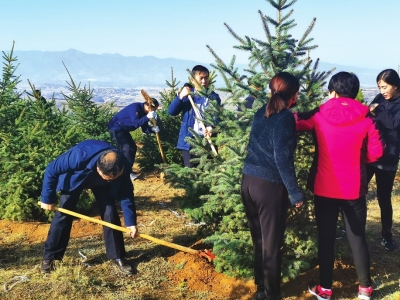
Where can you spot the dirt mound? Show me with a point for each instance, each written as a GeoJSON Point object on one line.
{"type": "Point", "coordinates": [198, 274]}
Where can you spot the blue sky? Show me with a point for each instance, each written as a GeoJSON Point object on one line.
{"type": "Point", "coordinates": [362, 33]}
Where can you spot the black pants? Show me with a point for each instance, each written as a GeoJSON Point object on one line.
{"type": "Point", "coordinates": [354, 217]}
{"type": "Point", "coordinates": [266, 207]}
{"type": "Point", "coordinates": [384, 186]}
{"type": "Point", "coordinates": [125, 143]}
{"type": "Point", "coordinates": [186, 157]}
{"type": "Point", "coordinates": [60, 228]}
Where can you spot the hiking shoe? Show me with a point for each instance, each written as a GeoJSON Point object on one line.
{"type": "Point", "coordinates": [388, 244]}
{"type": "Point", "coordinates": [317, 291]}
{"type": "Point", "coordinates": [47, 265]}
{"type": "Point", "coordinates": [365, 292]}
{"type": "Point", "coordinates": [134, 176]}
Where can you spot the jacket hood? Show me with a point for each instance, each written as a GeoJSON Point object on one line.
{"type": "Point", "coordinates": [343, 111]}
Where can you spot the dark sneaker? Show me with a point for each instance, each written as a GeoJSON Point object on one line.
{"type": "Point", "coordinates": [388, 244]}
{"type": "Point", "coordinates": [316, 290]}
{"type": "Point", "coordinates": [47, 265]}
{"type": "Point", "coordinates": [123, 266]}
{"type": "Point", "coordinates": [365, 292]}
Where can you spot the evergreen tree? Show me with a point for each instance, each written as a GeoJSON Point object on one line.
{"type": "Point", "coordinates": [213, 188]}
{"type": "Point", "coordinates": [91, 119]}
{"type": "Point", "coordinates": [33, 132]}
{"type": "Point", "coordinates": [360, 97]}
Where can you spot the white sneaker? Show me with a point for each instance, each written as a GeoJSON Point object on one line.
{"type": "Point", "coordinates": [133, 176]}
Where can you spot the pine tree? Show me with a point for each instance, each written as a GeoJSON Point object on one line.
{"type": "Point", "coordinates": [360, 97]}
{"type": "Point", "coordinates": [213, 188]}
{"type": "Point", "coordinates": [33, 131]}
{"type": "Point", "coordinates": [91, 119]}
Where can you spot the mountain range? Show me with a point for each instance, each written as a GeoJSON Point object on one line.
{"type": "Point", "coordinates": [115, 70]}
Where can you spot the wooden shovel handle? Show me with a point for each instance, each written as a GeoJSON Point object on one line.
{"type": "Point", "coordinates": [124, 229]}
{"type": "Point", "coordinates": [196, 111]}
{"type": "Point", "coordinates": [159, 142]}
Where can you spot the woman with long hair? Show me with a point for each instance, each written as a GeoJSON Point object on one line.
{"type": "Point", "coordinates": [269, 179]}
{"type": "Point", "coordinates": [386, 113]}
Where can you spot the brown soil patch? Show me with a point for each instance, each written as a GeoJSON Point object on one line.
{"type": "Point", "coordinates": [199, 275]}
{"type": "Point", "coordinates": [36, 232]}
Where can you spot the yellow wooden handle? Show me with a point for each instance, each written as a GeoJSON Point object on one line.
{"type": "Point", "coordinates": [197, 113]}
{"type": "Point", "coordinates": [124, 229]}
{"type": "Point", "coordinates": [159, 142]}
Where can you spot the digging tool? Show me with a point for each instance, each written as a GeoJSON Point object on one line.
{"type": "Point", "coordinates": [148, 101]}
{"type": "Point", "coordinates": [206, 253]}
{"type": "Point", "coordinates": [198, 116]}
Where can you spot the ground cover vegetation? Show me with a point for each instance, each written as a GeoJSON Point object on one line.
{"type": "Point", "coordinates": [33, 132]}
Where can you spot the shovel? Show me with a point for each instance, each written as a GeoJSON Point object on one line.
{"type": "Point", "coordinates": [198, 115]}
{"type": "Point", "coordinates": [206, 253]}
{"type": "Point", "coordinates": [148, 100]}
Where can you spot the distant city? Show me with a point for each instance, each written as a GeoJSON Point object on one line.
{"type": "Point", "coordinates": [117, 78]}
{"type": "Point", "coordinates": [125, 96]}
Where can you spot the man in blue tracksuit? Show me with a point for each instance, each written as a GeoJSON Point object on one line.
{"type": "Point", "coordinates": [129, 119]}
{"type": "Point", "coordinates": [182, 104]}
{"type": "Point", "coordinates": [98, 166]}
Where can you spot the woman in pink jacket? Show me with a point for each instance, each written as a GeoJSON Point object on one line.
{"type": "Point", "coordinates": [346, 139]}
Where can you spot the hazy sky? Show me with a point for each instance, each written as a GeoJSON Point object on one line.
{"type": "Point", "coordinates": [362, 33]}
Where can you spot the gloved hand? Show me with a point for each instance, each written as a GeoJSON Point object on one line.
{"type": "Point", "coordinates": [155, 129]}
{"type": "Point", "coordinates": [152, 115]}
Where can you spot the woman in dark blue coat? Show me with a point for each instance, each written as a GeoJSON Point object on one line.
{"type": "Point", "coordinates": [269, 179]}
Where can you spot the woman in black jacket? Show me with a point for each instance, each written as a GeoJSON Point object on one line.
{"type": "Point", "coordinates": [385, 109]}
{"type": "Point", "coordinates": [269, 179]}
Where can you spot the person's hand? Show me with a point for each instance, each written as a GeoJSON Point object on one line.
{"type": "Point", "coordinates": [298, 204]}
{"type": "Point", "coordinates": [46, 206]}
{"type": "Point", "coordinates": [372, 108]}
{"type": "Point", "coordinates": [134, 231]}
{"type": "Point", "coordinates": [296, 116]}
{"type": "Point", "coordinates": [208, 132]}
{"type": "Point", "coordinates": [155, 129]}
{"type": "Point", "coordinates": [151, 115]}
{"type": "Point", "coordinates": [184, 92]}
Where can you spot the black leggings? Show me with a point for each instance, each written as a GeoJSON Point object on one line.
{"type": "Point", "coordinates": [384, 186]}
{"type": "Point", "coordinates": [266, 207]}
{"type": "Point", "coordinates": [354, 217]}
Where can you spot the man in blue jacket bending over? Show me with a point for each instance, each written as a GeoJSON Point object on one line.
{"type": "Point", "coordinates": [182, 104]}
{"type": "Point", "coordinates": [98, 166]}
{"type": "Point", "coordinates": [128, 119]}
